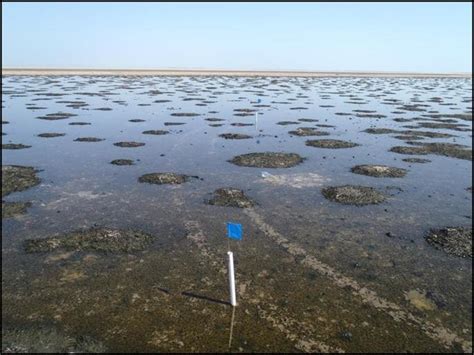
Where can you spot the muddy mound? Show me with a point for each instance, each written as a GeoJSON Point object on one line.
{"type": "Point", "coordinates": [156, 132]}
{"type": "Point", "coordinates": [164, 178]}
{"type": "Point", "coordinates": [379, 171]}
{"type": "Point", "coordinates": [18, 178]}
{"type": "Point", "coordinates": [106, 240]}
{"type": "Point", "coordinates": [445, 149]}
{"type": "Point", "coordinates": [247, 110]}
{"type": "Point", "coordinates": [234, 136]}
{"type": "Point", "coordinates": [230, 197]}
{"type": "Point", "coordinates": [79, 123]}
{"type": "Point", "coordinates": [174, 123]}
{"type": "Point", "coordinates": [57, 116]}
{"type": "Point", "coordinates": [330, 143]}
{"type": "Point", "coordinates": [455, 241]}
{"type": "Point", "coordinates": [129, 144]}
{"type": "Point", "coordinates": [426, 134]}
{"type": "Point", "coordinates": [184, 114]}
{"type": "Point", "coordinates": [240, 124]}
{"type": "Point", "coordinates": [308, 131]}
{"type": "Point", "coordinates": [353, 195]}
{"type": "Point", "coordinates": [267, 160]}
{"type": "Point", "coordinates": [15, 146]}
{"type": "Point", "coordinates": [12, 209]}
{"type": "Point", "coordinates": [122, 162]}
{"type": "Point", "coordinates": [408, 138]}
{"type": "Point", "coordinates": [453, 126]}
{"type": "Point", "coordinates": [89, 139]}
{"type": "Point", "coordinates": [370, 115]}
{"type": "Point", "coordinates": [214, 119]}
{"type": "Point", "coordinates": [380, 130]}
{"type": "Point", "coordinates": [51, 135]}
{"type": "Point", "coordinates": [417, 160]}
{"type": "Point", "coordinates": [136, 120]}
{"type": "Point", "coordinates": [286, 123]}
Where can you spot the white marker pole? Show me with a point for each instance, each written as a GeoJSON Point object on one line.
{"type": "Point", "coordinates": [233, 299]}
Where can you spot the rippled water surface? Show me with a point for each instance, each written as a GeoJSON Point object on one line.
{"type": "Point", "coordinates": [312, 274]}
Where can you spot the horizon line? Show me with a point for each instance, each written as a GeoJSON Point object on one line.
{"type": "Point", "coordinates": [178, 71]}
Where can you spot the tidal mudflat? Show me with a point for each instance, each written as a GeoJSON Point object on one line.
{"type": "Point", "coordinates": [116, 191]}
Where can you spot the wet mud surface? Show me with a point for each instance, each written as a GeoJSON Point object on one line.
{"type": "Point", "coordinates": [454, 241]}
{"type": "Point", "coordinates": [98, 258]}
{"type": "Point", "coordinates": [46, 339]}
{"type": "Point", "coordinates": [96, 239]}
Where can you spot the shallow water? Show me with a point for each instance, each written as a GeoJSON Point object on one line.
{"type": "Point", "coordinates": [313, 275]}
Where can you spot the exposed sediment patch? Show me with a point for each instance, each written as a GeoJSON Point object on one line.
{"type": "Point", "coordinates": [165, 178]}
{"type": "Point", "coordinates": [12, 209]}
{"type": "Point", "coordinates": [56, 116]}
{"type": "Point", "coordinates": [268, 160]}
{"type": "Point", "coordinates": [122, 162]}
{"type": "Point", "coordinates": [129, 144]}
{"type": "Point", "coordinates": [51, 135]}
{"type": "Point", "coordinates": [353, 195]}
{"type": "Point", "coordinates": [330, 143]}
{"type": "Point", "coordinates": [286, 123]}
{"type": "Point", "coordinates": [156, 132]}
{"type": "Point", "coordinates": [230, 197]}
{"type": "Point", "coordinates": [88, 139]}
{"type": "Point", "coordinates": [234, 136]}
{"type": "Point", "coordinates": [79, 123]}
{"type": "Point", "coordinates": [185, 114]}
{"type": "Point", "coordinates": [15, 146]}
{"type": "Point", "coordinates": [18, 178]}
{"type": "Point", "coordinates": [416, 160]}
{"type": "Point", "coordinates": [445, 149]}
{"type": "Point", "coordinates": [308, 131]}
{"type": "Point", "coordinates": [379, 171]}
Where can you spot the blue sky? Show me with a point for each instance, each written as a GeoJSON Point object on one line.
{"type": "Point", "coordinates": [422, 37]}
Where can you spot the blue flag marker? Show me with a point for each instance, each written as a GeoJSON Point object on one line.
{"type": "Point", "coordinates": [234, 230]}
